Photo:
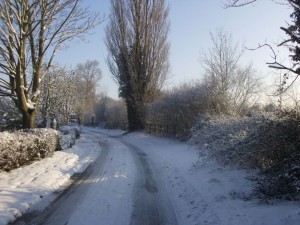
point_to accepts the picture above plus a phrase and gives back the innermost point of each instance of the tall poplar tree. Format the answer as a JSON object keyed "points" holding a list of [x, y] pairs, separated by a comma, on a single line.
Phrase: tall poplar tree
{"points": [[136, 39]]}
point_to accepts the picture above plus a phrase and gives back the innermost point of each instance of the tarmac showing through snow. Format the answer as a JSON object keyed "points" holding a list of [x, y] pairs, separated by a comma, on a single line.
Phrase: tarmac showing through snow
{"points": [[109, 178]]}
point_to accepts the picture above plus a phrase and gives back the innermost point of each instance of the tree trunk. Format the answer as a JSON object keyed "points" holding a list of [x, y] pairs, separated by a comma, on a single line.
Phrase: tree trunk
{"points": [[136, 115], [28, 119]]}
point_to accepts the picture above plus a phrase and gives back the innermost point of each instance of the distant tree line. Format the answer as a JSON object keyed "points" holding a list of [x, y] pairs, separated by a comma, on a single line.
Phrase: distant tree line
{"points": [[70, 91]]}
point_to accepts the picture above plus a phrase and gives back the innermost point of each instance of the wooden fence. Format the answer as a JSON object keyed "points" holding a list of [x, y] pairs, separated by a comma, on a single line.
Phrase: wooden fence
{"points": [[157, 129], [160, 129]]}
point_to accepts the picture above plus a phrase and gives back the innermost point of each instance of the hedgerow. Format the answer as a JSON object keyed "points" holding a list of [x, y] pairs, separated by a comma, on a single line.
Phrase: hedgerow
{"points": [[24, 146], [68, 135], [269, 144]]}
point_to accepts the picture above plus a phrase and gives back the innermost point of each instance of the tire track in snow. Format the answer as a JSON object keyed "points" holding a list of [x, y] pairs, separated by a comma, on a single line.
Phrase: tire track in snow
{"points": [[122, 187], [151, 204]]}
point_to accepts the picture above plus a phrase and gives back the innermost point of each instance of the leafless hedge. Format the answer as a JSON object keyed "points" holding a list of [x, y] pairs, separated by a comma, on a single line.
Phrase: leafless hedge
{"points": [[179, 109]]}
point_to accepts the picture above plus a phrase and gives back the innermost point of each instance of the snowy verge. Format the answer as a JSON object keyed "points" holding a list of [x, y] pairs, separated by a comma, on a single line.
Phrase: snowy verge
{"points": [[24, 187], [206, 192]]}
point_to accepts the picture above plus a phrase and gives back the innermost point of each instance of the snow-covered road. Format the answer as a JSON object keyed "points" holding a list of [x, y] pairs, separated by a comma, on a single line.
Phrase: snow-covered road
{"points": [[110, 178], [119, 187]]}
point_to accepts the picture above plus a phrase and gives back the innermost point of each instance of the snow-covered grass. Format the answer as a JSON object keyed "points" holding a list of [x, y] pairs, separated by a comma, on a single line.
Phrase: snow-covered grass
{"points": [[206, 192], [202, 191], [24, 187]]}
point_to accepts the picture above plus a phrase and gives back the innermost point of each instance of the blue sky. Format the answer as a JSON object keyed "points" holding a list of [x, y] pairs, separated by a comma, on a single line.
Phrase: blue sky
{"points": [[191, 22]]}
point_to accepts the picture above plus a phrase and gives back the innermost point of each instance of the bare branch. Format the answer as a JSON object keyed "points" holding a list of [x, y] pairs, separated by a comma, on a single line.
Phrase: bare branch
{"points": [[237, 3]]}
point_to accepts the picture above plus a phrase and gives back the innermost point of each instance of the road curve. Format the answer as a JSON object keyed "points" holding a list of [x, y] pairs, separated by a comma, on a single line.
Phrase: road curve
{"points": [[121, 187]]}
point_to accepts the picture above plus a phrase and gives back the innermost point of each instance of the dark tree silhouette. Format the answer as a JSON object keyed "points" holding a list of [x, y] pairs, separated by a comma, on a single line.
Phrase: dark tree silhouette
{"points": [[136, 39]]}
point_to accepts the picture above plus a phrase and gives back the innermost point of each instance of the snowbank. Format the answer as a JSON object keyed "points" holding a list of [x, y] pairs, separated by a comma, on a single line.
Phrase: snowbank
{"points": [[24, 187]]}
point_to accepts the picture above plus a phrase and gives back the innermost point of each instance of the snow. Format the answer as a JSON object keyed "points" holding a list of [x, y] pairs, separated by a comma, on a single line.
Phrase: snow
{"points": [[68, 137], [201, 190], [30, 104], [204, 192], [36, 93], [108, 199], [24, 187]]}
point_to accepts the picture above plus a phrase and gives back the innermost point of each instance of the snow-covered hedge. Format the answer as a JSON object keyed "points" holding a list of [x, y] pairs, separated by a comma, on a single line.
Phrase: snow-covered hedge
{"points": [[24, 146], [274, 148], [68, 136], [218, 135], [269, 144]]}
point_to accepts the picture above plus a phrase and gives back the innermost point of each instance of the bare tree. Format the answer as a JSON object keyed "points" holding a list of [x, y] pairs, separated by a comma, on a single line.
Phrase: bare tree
{"points": [[89, 74], [240, 3], [66, 91], [292, 42], [294, 95], [110, 113], [229, 84], [31, 32], [61, 95], [136, 39], [246, 89], [48, 97]]}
